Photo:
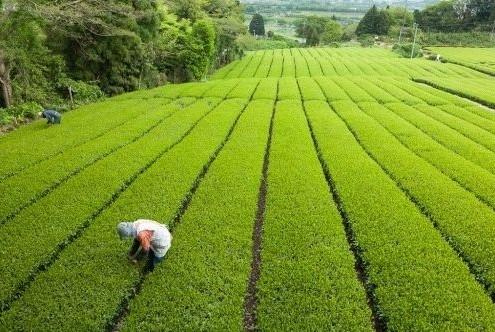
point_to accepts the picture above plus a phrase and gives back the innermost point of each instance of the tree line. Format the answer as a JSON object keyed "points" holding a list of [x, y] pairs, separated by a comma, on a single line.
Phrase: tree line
{"points": [[110, 46], [446, 16], [457, 16]]}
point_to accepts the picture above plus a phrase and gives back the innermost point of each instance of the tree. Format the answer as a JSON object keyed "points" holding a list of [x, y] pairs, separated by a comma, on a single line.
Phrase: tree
{"points": [[399, 16], [228, 30], [374, 22], [199, 56], [439, 17], [121, 45], [28, 69], [228, 17], [333, 32], [113, 49], [257, 25], [481, 11], [458, 15], [311, 28], [5, 80], [186, 9]]}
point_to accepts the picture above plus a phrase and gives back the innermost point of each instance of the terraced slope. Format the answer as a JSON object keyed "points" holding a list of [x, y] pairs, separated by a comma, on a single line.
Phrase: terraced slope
{"points": [[478, 90], [481, 59], [337, 62]]}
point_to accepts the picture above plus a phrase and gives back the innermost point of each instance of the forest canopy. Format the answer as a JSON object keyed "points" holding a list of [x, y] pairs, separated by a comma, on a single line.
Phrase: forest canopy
{"points": [[113, 45]]}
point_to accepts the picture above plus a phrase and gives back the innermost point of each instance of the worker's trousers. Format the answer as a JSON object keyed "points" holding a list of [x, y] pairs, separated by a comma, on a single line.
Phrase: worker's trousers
{"points": [[151, 261]]}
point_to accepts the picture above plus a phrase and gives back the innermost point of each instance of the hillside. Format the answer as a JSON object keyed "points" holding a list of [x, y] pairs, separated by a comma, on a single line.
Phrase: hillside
{"points": [[306, 189]]}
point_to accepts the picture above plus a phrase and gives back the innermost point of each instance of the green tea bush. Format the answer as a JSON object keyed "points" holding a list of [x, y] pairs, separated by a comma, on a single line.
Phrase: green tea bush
{"points": [[27, 187], [74, 208], [300, 266], [233, 180], [161, 187], [414, 248], [426, 117]]}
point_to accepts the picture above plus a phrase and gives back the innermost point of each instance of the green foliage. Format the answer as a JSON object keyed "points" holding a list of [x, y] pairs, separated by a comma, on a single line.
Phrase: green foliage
{"points": [[138, 154], [30, 68], [288, 89], [366, 40], [267, 89], [5, 118], [186, 9], [426, 251], [376, 22], [57, 168], [27, 110], [244, 89], [313, 237], [480, 59], [457, 16], [162, 179], [478, 90], [333, 32], [83, 93], [459, 39], [249, 43], [399, 16], [400, 172], [318, 29], [373, 61], [233, 180], [310, 90], [438, 17], [406, 51], [100, 117], [119, 45], [257, 25], [199, 57]]}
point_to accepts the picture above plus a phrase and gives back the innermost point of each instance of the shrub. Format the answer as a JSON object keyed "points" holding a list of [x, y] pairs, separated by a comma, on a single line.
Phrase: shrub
{"points": [[83, 93], [5, 118], [26, 110], [405, 50], [366, 40]]}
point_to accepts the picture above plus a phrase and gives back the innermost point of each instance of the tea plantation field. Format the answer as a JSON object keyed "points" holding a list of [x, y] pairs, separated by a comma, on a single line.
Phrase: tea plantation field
{"points": [[482, 59], [306, 190]]}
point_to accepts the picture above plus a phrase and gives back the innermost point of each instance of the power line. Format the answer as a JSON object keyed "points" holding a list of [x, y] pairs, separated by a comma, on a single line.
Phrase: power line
{"points": [[414, 42]]}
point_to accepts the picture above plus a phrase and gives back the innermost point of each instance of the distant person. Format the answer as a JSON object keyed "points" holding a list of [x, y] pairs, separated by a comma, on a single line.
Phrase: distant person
{"points": [[151, 239], [53, 117], [439, 58]]}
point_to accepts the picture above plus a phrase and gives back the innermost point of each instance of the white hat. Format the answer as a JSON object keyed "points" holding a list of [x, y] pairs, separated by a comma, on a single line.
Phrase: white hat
{"points": [[126, 229]]}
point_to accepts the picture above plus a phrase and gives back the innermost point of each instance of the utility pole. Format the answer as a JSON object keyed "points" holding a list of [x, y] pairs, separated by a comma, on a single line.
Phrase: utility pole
{"points": [[415, 27], [492, 34], [403, 21]]}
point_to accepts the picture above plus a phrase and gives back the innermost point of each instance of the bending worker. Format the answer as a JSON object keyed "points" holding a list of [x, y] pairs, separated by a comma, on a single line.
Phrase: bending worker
{"points": [[151, 239], [52, 116]]}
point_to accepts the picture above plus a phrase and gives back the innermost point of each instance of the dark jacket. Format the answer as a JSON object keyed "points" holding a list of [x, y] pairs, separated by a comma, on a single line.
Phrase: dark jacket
{"points": [[52, 116]]}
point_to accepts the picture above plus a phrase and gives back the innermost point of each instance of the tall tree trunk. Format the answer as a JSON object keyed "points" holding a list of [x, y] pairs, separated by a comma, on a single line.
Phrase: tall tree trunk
{"points": [[5, 81]]}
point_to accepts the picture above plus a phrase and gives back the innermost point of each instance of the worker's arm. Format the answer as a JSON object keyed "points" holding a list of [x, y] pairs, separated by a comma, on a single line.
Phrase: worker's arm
{"points": [[144, 238], [133, 256]]}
